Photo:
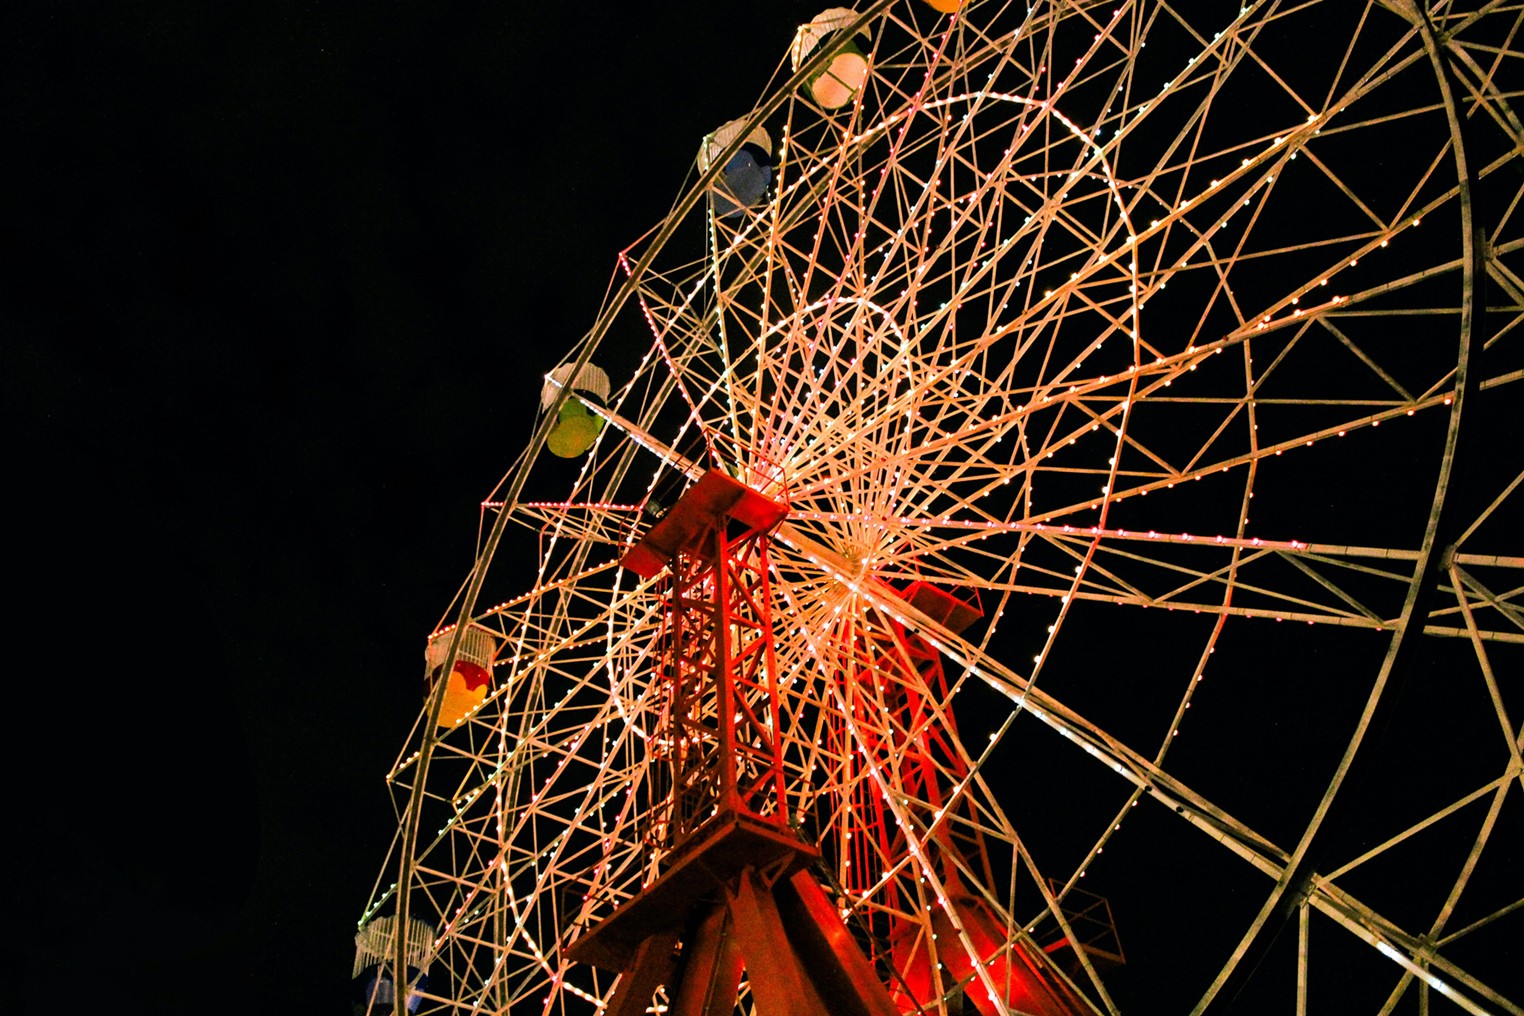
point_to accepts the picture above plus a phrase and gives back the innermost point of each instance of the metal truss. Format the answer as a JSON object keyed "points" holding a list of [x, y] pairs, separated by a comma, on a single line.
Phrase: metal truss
{"points": [[1188, 342]]}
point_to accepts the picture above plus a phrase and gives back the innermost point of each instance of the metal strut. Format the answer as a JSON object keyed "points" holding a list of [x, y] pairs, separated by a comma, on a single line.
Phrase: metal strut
{"points": [[736, 894]]}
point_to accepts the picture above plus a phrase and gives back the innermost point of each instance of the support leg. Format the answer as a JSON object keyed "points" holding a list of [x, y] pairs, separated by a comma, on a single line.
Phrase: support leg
{"points": [[650, 968], [778, 982], [711, 972]]}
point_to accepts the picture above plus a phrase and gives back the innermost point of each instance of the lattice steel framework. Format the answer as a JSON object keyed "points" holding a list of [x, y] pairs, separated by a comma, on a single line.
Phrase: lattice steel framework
{"points": [[718, 732], [1184, 335]]}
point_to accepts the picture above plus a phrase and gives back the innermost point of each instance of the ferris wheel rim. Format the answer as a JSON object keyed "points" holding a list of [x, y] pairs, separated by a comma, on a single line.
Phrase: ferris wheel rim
{"points": [[696, 194]]}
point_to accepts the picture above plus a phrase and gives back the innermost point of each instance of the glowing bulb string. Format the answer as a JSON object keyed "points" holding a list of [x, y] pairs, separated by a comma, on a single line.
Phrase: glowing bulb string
{"points": [[1079, 391], [1057, 531], [1123, 760], [568, 506], [536, 665], [1065, 530]]}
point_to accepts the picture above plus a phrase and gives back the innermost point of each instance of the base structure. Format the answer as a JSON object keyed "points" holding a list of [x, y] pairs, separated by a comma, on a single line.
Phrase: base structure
{"points": [[737, 898]]}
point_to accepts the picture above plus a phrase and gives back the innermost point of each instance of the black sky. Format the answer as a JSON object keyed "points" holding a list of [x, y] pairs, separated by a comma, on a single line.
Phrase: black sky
{"points": [[282, 277]]}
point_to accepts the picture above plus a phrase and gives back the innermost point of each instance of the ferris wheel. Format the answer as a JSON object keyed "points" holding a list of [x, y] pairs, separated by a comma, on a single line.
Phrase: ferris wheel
{"points": [[1048, 553]]}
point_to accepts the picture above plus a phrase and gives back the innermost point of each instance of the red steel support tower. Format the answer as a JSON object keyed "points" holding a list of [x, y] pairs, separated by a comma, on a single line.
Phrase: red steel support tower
{"points": [[736, 893]]}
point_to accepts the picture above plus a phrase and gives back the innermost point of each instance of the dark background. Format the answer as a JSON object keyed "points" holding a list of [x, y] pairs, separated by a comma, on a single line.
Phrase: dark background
{"points": [[281, 281]]}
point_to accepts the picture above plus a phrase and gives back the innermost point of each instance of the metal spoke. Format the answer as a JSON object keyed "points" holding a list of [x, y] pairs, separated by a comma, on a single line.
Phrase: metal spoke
{"points": [[1086, 352]]}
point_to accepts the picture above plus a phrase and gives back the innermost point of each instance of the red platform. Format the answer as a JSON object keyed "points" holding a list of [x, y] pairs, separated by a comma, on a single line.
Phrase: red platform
{"points": [[729, 843], [713, 498], [740, 898], [941, 606]]}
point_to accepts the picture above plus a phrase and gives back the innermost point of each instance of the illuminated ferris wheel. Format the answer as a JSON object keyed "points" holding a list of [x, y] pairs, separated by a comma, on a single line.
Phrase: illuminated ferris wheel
{"points": [[1065, 462]]}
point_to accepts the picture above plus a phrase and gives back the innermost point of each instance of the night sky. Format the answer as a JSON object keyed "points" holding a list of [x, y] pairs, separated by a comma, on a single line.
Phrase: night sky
{"points": [[282, 282], [282, 279]]}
